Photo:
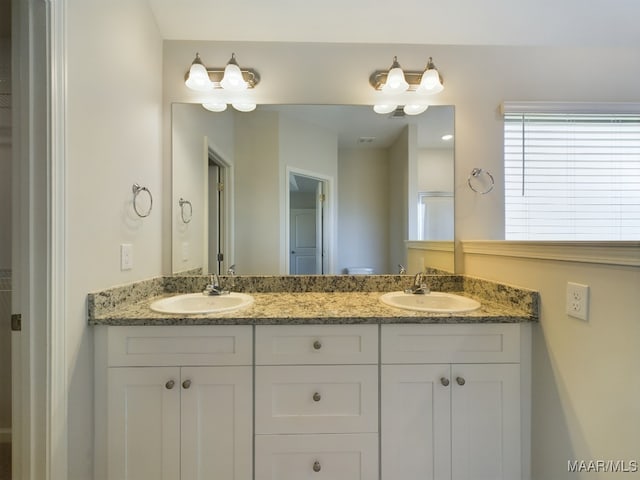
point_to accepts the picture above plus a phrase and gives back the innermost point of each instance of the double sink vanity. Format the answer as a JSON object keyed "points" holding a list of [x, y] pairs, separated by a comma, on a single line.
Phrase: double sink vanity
{"points": [[316, 377]]}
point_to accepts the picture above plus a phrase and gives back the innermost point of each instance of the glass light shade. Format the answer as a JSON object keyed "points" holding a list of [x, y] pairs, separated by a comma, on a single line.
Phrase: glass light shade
{"points": [[430, 82], [384, 108], [198, 78], [232, 79], [447, 137], [395, 81], [244, 106], [215, 106], [414, 109]]}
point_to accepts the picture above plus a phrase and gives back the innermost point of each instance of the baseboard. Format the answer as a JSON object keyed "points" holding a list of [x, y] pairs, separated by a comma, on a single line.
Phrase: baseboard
{"points": [[5, 435]]}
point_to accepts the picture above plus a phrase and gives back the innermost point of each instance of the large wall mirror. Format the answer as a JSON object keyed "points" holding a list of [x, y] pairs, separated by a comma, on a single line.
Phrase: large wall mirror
{"points": [[308, 189]]}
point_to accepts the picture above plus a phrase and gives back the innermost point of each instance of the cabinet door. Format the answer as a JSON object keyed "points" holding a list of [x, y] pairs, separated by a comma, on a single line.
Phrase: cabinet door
{"points": [[415, 422], [485, 421], [143, 424], [217, 432]]}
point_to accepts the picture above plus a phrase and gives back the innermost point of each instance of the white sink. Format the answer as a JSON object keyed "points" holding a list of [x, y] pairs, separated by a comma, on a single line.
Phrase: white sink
{"points": [[437, 302], [199, 303]]}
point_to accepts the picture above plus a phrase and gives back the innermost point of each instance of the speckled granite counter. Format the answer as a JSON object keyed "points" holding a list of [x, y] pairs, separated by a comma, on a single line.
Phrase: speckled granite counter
{"points": [[339, 299]]}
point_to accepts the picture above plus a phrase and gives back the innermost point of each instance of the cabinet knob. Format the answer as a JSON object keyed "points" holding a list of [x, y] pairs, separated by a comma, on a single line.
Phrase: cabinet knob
{"points": [[460, 380], [186, 384], [316, 466], [317, 345], [444, 381], [170, 384], [317, 397]]}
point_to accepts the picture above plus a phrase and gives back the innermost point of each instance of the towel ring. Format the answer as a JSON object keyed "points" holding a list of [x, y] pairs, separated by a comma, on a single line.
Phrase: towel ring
{"points": [[182, 202], [475, 173], [136, 191]]}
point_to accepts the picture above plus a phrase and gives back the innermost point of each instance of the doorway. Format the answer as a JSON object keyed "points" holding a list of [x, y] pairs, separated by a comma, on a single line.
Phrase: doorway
{"points": [[307, 224], [218, 230]]}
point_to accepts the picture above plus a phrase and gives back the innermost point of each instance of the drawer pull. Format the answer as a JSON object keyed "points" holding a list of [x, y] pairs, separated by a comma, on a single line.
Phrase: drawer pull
{"points": [[444, 381], [186, 384], [317, 397], [170, 384], [317, 345], [460, 380], [316, 466]]}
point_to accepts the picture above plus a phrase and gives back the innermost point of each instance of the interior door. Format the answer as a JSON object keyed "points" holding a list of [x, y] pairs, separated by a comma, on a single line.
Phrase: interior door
{"points": [[303, 242]]}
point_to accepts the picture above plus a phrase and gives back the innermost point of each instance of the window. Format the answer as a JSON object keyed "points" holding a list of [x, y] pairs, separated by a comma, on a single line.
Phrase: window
{"points": [[571, 176]]}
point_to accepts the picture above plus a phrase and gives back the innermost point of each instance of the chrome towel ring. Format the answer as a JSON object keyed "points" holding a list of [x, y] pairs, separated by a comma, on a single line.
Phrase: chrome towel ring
{"points": [[137, 189], [182, 202], [476, 177]]}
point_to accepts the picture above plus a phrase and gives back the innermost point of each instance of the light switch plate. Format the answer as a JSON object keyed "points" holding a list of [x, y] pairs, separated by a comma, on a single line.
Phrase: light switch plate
{"points": [[126, 256], [578, 301]]}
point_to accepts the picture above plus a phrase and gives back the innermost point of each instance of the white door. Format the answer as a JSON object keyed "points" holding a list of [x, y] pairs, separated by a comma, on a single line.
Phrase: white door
{"points": [[415, 422], [217, 433], [303, 238], [144, 423], [485, 421]]}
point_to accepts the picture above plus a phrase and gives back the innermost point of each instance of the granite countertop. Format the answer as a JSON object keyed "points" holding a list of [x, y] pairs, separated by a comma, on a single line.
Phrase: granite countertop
{"points": [[275, 308]]}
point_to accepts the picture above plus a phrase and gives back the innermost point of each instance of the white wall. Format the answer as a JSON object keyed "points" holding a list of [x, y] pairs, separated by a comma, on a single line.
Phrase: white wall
{"points": [[363, 226], [114, 132]]}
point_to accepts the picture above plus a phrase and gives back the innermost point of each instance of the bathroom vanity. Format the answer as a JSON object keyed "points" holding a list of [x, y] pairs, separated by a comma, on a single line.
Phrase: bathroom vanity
{"points": [[313, 384]]}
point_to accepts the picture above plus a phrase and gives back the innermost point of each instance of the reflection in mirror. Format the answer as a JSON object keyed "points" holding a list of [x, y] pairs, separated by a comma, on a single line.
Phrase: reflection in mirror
{"points": [[369, 183]]}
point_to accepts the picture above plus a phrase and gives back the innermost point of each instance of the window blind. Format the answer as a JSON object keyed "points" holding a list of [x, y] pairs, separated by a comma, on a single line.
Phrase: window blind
{"points": [[572, 176]]}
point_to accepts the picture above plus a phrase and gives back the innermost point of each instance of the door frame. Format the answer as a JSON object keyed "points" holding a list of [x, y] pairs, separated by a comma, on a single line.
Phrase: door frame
{"points": [[329, 227], [228, 236], [39, 370]]}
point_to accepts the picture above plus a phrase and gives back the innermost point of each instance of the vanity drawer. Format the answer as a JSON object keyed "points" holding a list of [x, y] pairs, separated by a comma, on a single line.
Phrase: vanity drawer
{"points": [[179, 345], [481, 343], [329, 457], [316, 399], [316, 344]]}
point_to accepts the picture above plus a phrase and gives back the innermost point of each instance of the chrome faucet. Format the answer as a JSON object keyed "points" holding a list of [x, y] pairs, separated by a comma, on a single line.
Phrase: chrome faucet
{"points": [[213, 287], [419, 286], [401, 269]]}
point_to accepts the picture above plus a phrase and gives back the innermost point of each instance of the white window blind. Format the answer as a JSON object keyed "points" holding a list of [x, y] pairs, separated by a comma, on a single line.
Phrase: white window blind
{"points": [[572, 176]]}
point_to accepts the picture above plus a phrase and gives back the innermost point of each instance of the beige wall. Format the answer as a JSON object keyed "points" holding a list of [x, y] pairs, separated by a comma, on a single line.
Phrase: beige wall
{"points": [[363, 226], [586, 385], [113, 139]]}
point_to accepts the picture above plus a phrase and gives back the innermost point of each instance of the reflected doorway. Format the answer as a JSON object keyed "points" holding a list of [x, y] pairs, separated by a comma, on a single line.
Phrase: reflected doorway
{"points": [[217, 230], [307, 225]]}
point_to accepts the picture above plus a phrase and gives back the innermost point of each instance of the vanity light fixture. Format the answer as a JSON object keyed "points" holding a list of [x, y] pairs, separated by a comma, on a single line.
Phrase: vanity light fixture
{"points": [[231, 78], [395, 82]]}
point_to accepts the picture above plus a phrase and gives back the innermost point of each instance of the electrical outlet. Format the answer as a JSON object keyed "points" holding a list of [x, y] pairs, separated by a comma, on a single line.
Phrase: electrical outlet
{"points": [[185, 251], [126, 256], [578, 300]]}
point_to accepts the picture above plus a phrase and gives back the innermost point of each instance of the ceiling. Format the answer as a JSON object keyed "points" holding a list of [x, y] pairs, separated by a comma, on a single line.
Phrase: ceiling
{"points": [[592, 23]]}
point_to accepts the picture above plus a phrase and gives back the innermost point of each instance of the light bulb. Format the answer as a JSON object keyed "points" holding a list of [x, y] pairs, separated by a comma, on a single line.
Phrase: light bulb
{"points": [[430, 82], [414, 109], [395, 79], [384, 108], [232, 79], [244, 106], [198, 78], [215, 106]]}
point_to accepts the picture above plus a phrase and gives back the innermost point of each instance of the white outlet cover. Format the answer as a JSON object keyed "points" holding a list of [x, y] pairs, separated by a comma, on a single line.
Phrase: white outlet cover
{"points": [[577, 301], [126, 256]]}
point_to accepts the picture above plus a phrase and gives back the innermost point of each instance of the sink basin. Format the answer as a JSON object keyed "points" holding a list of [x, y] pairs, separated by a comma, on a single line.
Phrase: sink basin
{"points": [[437, 302], [199, 303]]}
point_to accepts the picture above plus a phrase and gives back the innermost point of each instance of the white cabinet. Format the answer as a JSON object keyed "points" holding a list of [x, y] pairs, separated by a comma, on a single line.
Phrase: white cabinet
{"points": [[179, 422], [316, 413], [459, 421]]}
